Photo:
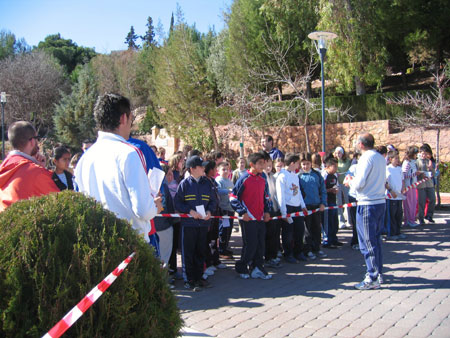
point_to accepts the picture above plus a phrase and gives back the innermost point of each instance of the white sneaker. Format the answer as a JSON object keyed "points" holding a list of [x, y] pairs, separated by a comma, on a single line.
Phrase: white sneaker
{"points": [[209, 271], [380, 278], [221, 266], [321, 254], [213, 268], [256, 273], [368, 284], [310, 255], [413, 224], [205, 276], [342, 226]]}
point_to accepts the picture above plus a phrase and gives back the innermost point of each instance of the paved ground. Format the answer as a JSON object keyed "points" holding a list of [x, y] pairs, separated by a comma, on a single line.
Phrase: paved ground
{"points": [[317, 298]]}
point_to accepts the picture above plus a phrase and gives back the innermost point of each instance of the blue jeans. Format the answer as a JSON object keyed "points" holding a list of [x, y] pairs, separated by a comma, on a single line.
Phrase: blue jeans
{"points": [[331, 225]]}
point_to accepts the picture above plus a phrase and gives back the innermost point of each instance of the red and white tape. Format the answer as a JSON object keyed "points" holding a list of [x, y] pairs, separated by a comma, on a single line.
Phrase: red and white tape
{"points": [[73, 315], [412, 186]]}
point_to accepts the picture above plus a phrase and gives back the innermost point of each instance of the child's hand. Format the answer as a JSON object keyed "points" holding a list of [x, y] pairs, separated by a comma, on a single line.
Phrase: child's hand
{"points": [[158, 203], [305, 210], [208, 215], [266, 217], [246, 217], [321, 207], [195, 214], [394, 194]]}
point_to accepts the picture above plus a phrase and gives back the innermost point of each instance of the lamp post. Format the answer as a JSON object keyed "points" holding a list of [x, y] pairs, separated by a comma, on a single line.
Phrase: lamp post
{"points": [[320, 40], [3, 102]]}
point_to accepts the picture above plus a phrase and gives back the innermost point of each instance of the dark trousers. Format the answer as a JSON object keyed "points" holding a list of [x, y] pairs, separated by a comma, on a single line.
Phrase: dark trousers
{"points": [[212, 251], [292, 234], [313, 229], [176, 240], [253, 246], [369, 220], [272, 241], [331, 224], [396, 216], [225, 232], [352, 217], [193, 252]]}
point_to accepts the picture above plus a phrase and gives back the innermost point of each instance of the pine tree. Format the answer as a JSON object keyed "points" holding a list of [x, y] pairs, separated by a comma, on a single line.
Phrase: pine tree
{"points": [[149, 37], [172, 23], [131, 38]]}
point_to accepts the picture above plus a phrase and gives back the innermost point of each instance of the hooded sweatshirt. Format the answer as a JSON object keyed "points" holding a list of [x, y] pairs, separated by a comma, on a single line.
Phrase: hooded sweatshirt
{"points": [[21, 178]]}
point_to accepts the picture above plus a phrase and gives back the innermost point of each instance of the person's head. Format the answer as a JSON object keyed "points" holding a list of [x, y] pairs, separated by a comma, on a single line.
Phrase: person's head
{"points": [[154, 149], [242, 163], [316, 160], [74, 161], [266, 156], [339, 153], [267, 143], [216, 156], [196, 166], [292, 161], [305, 161], [365, 142], [168, 171], [186, 149], [176, 162], [256, 162], [23, 137], [279, 164], [426, 152], [394, 158], [411, 152], [61, 159], [382, 150], [86, 144], [194, 152], [331, 165], [210, 169], [162, 153], [112, 113], [268, 167], [390, 147], [224, 169]]}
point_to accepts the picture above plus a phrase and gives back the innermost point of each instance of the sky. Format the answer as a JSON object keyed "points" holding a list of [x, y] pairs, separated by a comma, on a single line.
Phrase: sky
{"points": [[103, 24]]}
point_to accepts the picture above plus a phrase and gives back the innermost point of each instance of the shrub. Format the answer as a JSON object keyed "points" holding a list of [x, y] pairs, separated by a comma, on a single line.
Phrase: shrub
{"points": [[55, 249], [444, 178]]}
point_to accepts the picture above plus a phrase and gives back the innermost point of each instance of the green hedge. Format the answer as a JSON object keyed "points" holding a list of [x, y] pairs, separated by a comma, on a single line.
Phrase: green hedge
{"points": [[444, 181], [55, 249]]}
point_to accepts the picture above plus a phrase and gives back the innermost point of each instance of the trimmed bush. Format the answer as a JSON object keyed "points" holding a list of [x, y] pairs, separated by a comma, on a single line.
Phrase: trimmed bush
{"points": [[55, 249], [444, 179]]}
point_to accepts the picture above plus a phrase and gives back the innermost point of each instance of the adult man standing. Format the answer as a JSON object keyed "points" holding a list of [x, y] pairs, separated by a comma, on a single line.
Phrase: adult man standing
{"points": [[22, 173], [113, 171], [369, 184], [267, 145]]}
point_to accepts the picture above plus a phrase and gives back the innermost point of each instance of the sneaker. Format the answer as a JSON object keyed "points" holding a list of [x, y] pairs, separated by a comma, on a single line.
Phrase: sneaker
{"points": [[321, 254], [205, 276], [368, 284], [310, 255], [279, 254], [278, 259], [290, 260], [203, 283], [421, 222], [221, 266], [413, 224], [191, 286], [209, 271], [301, 257], [355, 246], [401, 236], [430, 219], [329, 245], [256, 273], [337, 243], [342, 226], [244, 275], [273, 263], [393, 238], [380, 278], [235, 229]]}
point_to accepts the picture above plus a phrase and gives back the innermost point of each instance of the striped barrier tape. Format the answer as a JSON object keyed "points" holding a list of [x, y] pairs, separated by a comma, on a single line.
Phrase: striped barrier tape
{"points": [[73, 315], [412, 186]]}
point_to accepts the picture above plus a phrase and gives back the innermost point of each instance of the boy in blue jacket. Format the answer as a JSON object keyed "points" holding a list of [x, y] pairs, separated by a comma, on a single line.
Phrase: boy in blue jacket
{"points": [[313, 185], [194, 197], [250, 199]]}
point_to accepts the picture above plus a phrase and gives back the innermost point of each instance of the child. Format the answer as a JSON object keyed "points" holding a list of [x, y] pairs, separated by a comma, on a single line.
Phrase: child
{"points": [[225, 225], [279, 164], [426, 189], [290, 199], [394, 187], [237, 173], [312, 183], [409, 170], [331, 216], [61, 176], [250, 199], [195, 197]]}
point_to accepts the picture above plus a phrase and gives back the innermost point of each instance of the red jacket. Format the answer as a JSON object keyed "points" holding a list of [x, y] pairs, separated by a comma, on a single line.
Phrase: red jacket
{"points": [[21, 178]]}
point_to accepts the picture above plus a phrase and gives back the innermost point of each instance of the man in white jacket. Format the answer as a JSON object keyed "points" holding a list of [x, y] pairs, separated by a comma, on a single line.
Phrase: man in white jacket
{"points": [[369, 184], [113, 171]]}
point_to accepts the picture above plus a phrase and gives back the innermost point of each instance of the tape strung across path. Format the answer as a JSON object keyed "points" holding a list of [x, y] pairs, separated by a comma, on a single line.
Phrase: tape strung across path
{"points": [[73, 315], [412, 186]]}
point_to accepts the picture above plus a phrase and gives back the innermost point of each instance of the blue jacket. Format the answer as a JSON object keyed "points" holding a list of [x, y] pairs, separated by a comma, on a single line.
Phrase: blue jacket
{"points": [[313, 185], [190, 194], [151, 160], [163, 223]]}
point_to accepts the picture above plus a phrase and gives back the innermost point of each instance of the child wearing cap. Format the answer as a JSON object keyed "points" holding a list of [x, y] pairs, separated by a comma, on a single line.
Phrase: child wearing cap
{"points": [[194, 197], [250, 199]]}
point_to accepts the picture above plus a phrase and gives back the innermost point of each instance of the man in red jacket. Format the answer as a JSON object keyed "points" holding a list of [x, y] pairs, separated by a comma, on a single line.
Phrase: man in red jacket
{"points": [[22, 173]]}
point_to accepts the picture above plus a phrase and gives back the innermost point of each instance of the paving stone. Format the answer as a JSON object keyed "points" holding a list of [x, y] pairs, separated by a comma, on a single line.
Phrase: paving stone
{"points": [[441, 331]]}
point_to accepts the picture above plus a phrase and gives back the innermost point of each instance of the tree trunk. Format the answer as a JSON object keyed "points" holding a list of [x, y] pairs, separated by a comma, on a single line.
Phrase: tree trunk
{"points": [[308, 89], [308, 147], [360, 86], [280, 92], [214, 136]]}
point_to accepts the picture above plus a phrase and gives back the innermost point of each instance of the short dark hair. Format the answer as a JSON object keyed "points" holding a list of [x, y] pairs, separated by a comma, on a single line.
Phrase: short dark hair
{"points": [[108, 110], [215, 155], [305, 156], [316, 159], [269, 138], [255, 157], [391, 154], [20, 133], [194, 152], [367, 140], [291, 158], [411, 151], [223, 164], [266, 155], [58, 152], [209, 166], [426, 148], [382, 150], [330, 161]]}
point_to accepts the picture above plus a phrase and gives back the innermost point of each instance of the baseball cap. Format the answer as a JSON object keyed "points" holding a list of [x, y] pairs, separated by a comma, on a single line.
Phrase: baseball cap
{"points": [[195, 161]]}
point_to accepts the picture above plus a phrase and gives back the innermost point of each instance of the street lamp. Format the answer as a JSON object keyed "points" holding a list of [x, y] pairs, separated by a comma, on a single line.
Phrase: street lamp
{"points": [[3, 102], [320, 41]]}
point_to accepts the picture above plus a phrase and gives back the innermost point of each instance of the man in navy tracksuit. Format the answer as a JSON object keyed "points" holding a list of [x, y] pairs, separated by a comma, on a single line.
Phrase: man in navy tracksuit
{"points": [[250, 199], [194, 195]]}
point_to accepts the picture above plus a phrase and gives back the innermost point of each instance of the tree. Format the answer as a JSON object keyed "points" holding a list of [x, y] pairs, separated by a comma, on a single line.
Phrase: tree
{"points": [[74, 114], [35, 82], [358, 56], [184, 91], [149, 37], [131, 39], [9, 45], [67, 52], [172, 23]]}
